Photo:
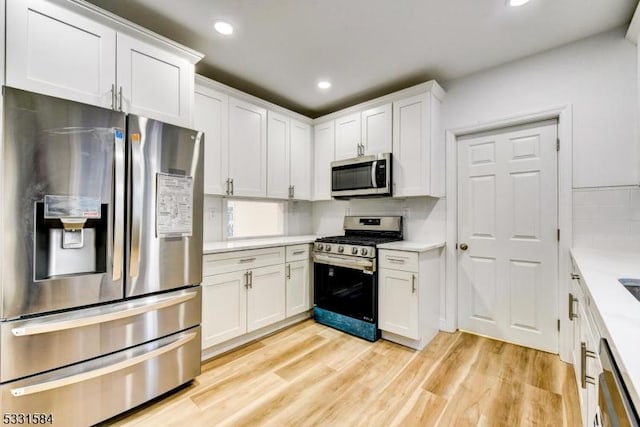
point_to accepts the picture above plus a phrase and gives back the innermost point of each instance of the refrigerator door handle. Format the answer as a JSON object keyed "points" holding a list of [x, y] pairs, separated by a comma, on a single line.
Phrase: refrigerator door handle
{"points": [[56, 326], [85, 376], [118, 221], [137, 177]]}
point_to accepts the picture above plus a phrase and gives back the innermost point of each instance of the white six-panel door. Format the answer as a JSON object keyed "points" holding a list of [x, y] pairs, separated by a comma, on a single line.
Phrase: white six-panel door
{"points": [[507, 220]]}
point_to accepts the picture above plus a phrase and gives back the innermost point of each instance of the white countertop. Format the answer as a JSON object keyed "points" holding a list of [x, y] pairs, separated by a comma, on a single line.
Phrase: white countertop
{"points": [[411, 246], [618, 310], [240, 245]]}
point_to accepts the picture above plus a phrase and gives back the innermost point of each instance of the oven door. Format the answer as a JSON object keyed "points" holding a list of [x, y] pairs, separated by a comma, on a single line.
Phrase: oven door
{"points": [[346, 286]]}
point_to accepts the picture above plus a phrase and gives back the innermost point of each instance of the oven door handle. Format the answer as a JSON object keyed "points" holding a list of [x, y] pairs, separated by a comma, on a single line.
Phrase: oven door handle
{"points": [[366, 265]]}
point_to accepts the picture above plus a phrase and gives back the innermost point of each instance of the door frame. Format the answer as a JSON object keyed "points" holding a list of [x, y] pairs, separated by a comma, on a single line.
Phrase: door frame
{"points": [[564, 115]]}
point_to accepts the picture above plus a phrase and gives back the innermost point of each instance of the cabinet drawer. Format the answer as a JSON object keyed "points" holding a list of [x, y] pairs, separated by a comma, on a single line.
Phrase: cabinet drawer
{"points": [[227, 262], [297, 253], [398, 260]]}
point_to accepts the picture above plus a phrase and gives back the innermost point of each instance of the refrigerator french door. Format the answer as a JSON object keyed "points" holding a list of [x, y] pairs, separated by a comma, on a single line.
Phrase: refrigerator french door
{"points": [[101, 259]]}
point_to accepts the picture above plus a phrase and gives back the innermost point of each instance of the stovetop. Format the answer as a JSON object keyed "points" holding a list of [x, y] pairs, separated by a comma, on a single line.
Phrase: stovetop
{"points": [[358, 240]]}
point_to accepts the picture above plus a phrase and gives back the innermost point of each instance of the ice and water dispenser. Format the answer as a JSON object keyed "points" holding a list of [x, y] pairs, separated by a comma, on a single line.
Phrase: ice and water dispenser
{"points": [[70, 236]]}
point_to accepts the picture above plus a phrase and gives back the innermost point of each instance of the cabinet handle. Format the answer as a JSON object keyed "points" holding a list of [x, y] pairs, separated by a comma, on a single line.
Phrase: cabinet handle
{"points": [[572, 313], [575, 276], [251, 279], [245, 260], [584, 353], [120, 99], [293, 191], [227, 186], [300, 252], [413, 283], [246, 280], [288, 271], [396, 260], [231, 183], [113, 96]]}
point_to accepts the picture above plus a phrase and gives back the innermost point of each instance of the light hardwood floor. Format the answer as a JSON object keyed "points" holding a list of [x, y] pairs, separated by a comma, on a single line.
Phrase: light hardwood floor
{"points": [[313, 375]]}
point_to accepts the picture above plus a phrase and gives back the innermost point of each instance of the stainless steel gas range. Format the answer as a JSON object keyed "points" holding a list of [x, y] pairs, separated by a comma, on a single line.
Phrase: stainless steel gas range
{"points": [[345, 274]]}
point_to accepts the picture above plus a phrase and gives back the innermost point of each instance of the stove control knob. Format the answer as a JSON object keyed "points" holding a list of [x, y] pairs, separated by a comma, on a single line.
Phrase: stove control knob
{"points": [[363, 251], [341, 249], [354, 251], [319, 246], [327, 248]]}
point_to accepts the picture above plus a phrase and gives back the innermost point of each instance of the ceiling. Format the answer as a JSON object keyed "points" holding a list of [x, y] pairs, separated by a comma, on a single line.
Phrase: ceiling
{"points": [[366, 48]]}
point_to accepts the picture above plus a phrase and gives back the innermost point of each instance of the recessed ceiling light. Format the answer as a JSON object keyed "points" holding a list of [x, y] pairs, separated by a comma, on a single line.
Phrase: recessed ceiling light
{"points": [[223, 28], [517, 2], [324, 84]]}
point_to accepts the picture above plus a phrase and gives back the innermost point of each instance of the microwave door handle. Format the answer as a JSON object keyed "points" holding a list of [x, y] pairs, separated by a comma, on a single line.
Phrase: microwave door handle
{"points": [[374, 168], [118, 220]]}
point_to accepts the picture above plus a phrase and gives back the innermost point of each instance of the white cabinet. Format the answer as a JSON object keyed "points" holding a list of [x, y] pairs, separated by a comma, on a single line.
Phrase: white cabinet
{"points": [[323, 155], [585, 342], [297, 270], [247, 149], [265, 296], [418, 145], [300, 164], [211, 112], [153, 82], [348, 141], [67, 51], [409, 295], [376, 130], [278, 143], [54, 50], [224, 307]]}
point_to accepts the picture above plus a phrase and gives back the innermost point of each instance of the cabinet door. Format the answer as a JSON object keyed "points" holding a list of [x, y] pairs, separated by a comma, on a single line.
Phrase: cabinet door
{"points": [[348, 136], [411, 147], [323, 155], [298, 299], [266, 297], [153, 82], [277, 156], [211, 116], [52, 50], [300, 160], [376, 130], [398, 302], [247, 149], [224, 307]]}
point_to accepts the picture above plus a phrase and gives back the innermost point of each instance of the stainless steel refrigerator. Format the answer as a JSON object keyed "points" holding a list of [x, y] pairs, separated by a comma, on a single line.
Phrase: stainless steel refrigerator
{"points": [[101, 259]]}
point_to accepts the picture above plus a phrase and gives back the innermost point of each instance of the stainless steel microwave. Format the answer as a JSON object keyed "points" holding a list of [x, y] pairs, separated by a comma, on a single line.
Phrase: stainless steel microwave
{"points": [[365, 176]]}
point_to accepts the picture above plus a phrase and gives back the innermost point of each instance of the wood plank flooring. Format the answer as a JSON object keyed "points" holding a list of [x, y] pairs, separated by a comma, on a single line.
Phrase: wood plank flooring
{"points": [[313, 375]]}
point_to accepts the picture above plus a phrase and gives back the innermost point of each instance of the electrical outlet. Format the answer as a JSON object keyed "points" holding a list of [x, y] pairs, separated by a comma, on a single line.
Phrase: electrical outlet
{"points": [[212, 213]]}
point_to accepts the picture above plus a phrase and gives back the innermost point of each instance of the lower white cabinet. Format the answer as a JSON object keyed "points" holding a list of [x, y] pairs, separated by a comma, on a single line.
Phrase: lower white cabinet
{"points": [[265, 296], [409, 295], [245, 291], [585, 351], [297, 270]]}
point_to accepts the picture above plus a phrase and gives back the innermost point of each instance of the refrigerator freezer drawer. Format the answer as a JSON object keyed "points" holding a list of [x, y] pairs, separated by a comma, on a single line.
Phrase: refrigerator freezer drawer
{"points": [[48, 342], [118, 382]]}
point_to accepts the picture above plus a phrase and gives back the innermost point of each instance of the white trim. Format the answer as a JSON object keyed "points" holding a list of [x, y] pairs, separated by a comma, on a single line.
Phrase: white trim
{"points": [[564, 114]]}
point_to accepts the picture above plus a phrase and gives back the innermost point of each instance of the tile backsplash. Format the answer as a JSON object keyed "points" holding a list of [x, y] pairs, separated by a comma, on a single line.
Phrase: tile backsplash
{"points": [[607, 218]]}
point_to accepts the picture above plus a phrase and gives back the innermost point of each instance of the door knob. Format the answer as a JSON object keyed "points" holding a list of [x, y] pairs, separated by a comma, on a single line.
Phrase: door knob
{"points": [[464, 246]]}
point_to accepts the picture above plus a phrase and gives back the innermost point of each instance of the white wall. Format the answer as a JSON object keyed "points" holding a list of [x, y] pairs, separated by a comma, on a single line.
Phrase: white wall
{"points": [[596, 75]]}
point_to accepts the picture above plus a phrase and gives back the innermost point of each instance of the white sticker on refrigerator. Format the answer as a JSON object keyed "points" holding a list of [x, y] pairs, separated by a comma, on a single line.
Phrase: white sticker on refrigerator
{"points": [[174, 205]]}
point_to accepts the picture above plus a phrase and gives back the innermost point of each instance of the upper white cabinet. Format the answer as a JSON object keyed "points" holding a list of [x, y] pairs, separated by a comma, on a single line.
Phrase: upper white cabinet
{"points": [[153, 82], [247, 149], [278, 140], [323, 155], [418, 146], [376, 129], [300, 164], [348, 138], [74, 52], [211, 115]]}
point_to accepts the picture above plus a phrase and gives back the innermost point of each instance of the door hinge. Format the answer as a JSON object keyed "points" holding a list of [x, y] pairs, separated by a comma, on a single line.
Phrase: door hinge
{"points": [[558, 234], [558, 325], [557, 144]]}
